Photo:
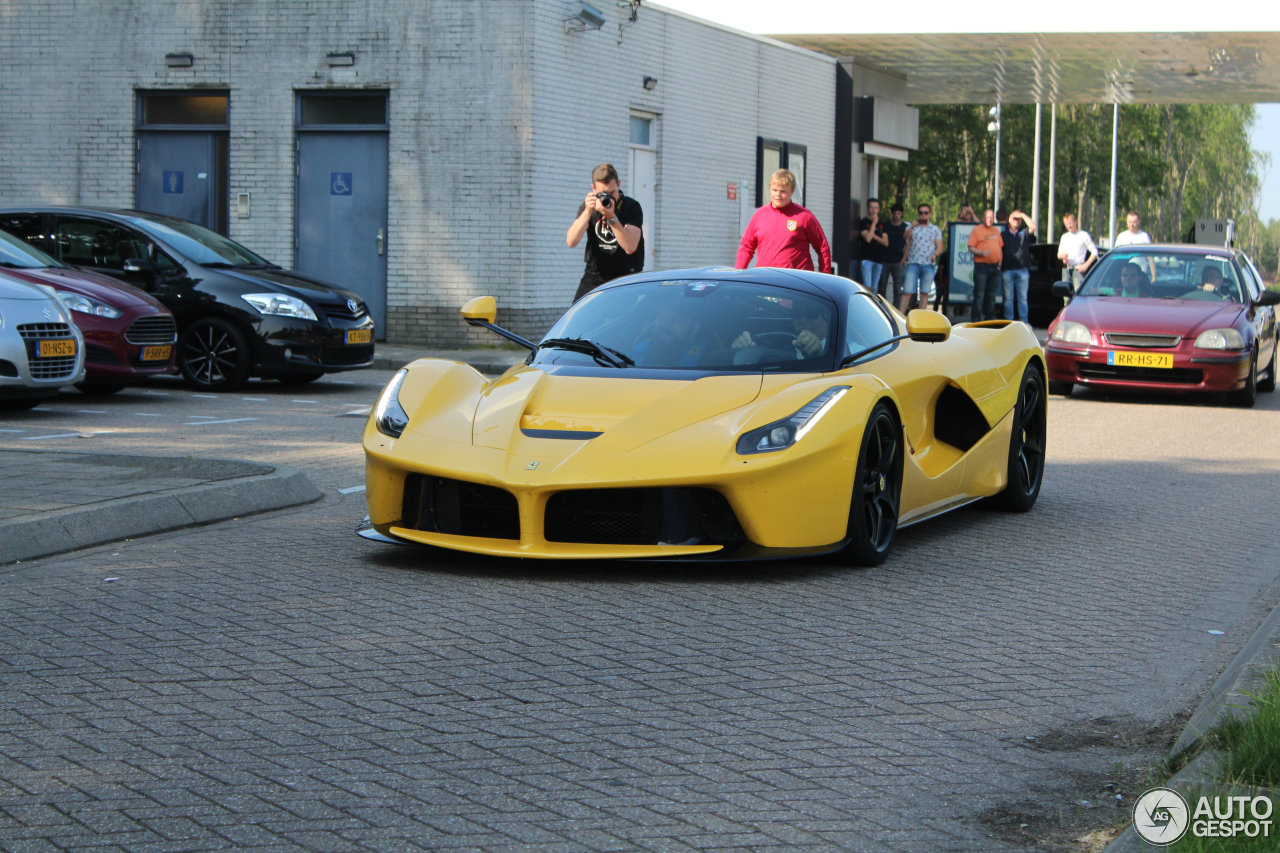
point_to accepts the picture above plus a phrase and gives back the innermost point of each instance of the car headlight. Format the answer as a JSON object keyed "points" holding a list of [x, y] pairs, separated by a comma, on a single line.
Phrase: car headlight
{"points": [[280, 305], [1220, 339], [87, 305], [780, 435], [389, 417], [1072, 333]]}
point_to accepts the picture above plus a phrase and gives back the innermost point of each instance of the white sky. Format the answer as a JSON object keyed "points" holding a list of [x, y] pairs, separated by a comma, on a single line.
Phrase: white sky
{"points": [[827, 16]]}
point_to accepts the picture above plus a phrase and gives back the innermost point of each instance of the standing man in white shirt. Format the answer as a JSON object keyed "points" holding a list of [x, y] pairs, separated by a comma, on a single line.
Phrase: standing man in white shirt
{"points": [[1133, 234], [1076, 250]]}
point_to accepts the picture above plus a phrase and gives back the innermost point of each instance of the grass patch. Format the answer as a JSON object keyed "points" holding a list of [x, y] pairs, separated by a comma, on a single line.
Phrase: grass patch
{"points": [[1250, 745], [1248, 751]]}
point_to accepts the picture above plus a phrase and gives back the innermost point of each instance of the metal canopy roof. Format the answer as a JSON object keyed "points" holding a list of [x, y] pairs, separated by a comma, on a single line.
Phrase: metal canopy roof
{"points": [[1150, 68]]}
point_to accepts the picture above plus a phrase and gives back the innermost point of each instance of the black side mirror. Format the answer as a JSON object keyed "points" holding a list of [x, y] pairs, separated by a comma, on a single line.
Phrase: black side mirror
{"points": [[1268, 297], [136, 269], [1064, 288]]}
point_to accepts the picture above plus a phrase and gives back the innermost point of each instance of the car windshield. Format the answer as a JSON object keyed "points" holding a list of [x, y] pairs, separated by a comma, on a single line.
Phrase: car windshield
{"points": [[697, 325], [15, 253], [1195, 275], [200, 245]]}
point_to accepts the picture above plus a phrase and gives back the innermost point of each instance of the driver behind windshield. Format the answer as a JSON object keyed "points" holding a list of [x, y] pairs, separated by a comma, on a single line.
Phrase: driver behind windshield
{"points": [[676, 338], [1133, 281]]}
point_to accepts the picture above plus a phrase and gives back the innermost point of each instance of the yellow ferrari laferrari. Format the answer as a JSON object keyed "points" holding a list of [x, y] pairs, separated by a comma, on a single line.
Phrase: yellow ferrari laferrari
{"points": [[710, 414]]}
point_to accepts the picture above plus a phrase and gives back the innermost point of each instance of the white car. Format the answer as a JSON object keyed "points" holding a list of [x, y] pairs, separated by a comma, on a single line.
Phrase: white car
{"points": [[41, 350]]}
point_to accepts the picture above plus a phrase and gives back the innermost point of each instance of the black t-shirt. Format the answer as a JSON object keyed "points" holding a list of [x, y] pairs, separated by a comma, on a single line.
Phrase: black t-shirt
{"points": [[871, 250], [605, 258], [897, 241], [1016, 254]]}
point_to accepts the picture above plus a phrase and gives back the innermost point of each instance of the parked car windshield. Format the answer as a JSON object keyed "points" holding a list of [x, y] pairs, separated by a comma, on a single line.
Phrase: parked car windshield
{"points": [[200, 245], [697, 325], [1191, 274], [15, 253]]}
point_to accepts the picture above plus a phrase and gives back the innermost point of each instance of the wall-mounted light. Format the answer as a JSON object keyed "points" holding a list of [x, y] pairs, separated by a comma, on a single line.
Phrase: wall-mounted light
{"points": [[587, 17], [650, 83], [179, 60], [339, 60]]}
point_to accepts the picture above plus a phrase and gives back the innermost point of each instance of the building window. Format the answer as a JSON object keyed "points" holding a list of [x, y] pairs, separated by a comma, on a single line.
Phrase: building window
{"points": [[772, 155], [641, 130]]}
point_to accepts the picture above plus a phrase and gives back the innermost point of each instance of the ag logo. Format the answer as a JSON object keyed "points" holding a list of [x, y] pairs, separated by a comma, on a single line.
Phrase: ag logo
{"points": [[792, 224], [1161, 816]]}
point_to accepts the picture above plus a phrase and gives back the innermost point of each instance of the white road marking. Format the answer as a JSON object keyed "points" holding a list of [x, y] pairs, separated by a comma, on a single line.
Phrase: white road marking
{"points": [[91, 411], [254, 399], [145, 415], [305, 402], [209, 423], [56, 435], [205, 396], [351, 490]]}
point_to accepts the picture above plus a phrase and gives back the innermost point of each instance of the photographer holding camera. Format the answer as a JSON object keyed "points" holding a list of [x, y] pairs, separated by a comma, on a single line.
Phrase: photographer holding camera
{"points": [[611, 223]]}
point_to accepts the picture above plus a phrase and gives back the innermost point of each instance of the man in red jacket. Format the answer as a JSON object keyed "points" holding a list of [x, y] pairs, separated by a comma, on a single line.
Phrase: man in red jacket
{"points": [[780, 233]]}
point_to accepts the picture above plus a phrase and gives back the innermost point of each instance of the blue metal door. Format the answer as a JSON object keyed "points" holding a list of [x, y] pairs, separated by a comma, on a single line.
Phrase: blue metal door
{"points": [[342, 214], [177, 175]]}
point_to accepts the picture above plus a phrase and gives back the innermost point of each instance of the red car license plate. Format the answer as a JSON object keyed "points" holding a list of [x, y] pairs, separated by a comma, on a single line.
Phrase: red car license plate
{"points": [[156, 353]]}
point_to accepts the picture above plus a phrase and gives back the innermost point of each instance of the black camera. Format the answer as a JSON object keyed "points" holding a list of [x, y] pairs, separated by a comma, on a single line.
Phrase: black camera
{"points": [[606, 198]]}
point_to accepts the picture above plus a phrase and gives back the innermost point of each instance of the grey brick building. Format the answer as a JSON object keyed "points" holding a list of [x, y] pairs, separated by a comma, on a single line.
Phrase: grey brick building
{"points": [[419, 152]]}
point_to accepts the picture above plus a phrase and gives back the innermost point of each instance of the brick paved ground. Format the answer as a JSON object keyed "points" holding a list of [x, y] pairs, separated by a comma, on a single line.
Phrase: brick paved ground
{"points": [[274, 683]]}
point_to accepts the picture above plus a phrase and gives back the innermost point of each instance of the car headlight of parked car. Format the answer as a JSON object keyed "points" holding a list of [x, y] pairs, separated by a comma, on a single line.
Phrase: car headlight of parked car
{"points": [[88, 305], [1072, 333], [389, 416], [1220, 339], [780, 435], [280, 305]]}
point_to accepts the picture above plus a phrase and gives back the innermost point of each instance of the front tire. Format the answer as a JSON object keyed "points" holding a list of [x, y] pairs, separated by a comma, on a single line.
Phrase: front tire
{"points": [[1027, 444], [877, 489], [213, 355], [1269, 384], [1248, 395]]}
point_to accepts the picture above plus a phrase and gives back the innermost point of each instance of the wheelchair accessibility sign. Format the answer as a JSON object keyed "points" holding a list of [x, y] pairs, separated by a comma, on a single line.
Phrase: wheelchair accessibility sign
{"points": [[339, 183]]}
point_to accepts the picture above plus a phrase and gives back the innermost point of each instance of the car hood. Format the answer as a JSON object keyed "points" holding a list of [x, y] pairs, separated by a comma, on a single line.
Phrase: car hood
{"points": [[529, 404], [20, 289], [117, 294], [1183, 317], [292, 283]]}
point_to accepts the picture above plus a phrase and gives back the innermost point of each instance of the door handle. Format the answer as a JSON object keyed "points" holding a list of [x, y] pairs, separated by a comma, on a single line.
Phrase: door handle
{"points": [[381, 239]]}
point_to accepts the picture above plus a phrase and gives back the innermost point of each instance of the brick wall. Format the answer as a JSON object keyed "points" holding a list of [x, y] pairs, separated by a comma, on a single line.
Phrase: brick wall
{"points": [[497, 116]]}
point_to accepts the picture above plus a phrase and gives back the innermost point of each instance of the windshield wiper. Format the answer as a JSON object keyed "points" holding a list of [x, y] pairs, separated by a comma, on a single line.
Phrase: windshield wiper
{"points": [[601, 353]]}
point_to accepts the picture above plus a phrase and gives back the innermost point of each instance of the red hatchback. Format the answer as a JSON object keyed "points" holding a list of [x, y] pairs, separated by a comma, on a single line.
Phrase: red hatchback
{"points": [[1169, 318], [128, 334]]}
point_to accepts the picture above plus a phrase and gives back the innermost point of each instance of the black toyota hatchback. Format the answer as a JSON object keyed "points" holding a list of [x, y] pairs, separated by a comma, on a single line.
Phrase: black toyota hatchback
{"points": [[238, 314]]}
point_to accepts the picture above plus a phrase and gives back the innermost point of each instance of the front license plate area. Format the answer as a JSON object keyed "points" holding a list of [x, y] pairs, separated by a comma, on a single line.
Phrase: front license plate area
{"points": [[56, 348], [159, 353], [1140, 359], [359, 336]]}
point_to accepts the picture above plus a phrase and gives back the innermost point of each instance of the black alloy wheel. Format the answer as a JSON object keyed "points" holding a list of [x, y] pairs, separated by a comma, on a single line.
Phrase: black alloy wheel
{"points": [[1027, 443], [213, 355], [877, 489], [1248, 395]]}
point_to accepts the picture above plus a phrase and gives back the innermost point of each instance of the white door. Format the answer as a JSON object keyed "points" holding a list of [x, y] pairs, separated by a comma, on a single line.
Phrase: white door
{"points": [[642, 179], [644, 165]]}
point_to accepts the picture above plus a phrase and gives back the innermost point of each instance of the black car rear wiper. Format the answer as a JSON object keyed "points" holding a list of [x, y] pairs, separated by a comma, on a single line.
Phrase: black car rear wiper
{"points": [[601, 353]]}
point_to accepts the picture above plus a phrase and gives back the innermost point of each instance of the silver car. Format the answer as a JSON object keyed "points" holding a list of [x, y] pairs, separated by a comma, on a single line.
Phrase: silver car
{"points": [[41, 350]]}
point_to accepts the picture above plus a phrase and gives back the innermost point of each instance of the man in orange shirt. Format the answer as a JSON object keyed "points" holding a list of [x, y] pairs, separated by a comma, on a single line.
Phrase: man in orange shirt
{"points": [[986, 244]]}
